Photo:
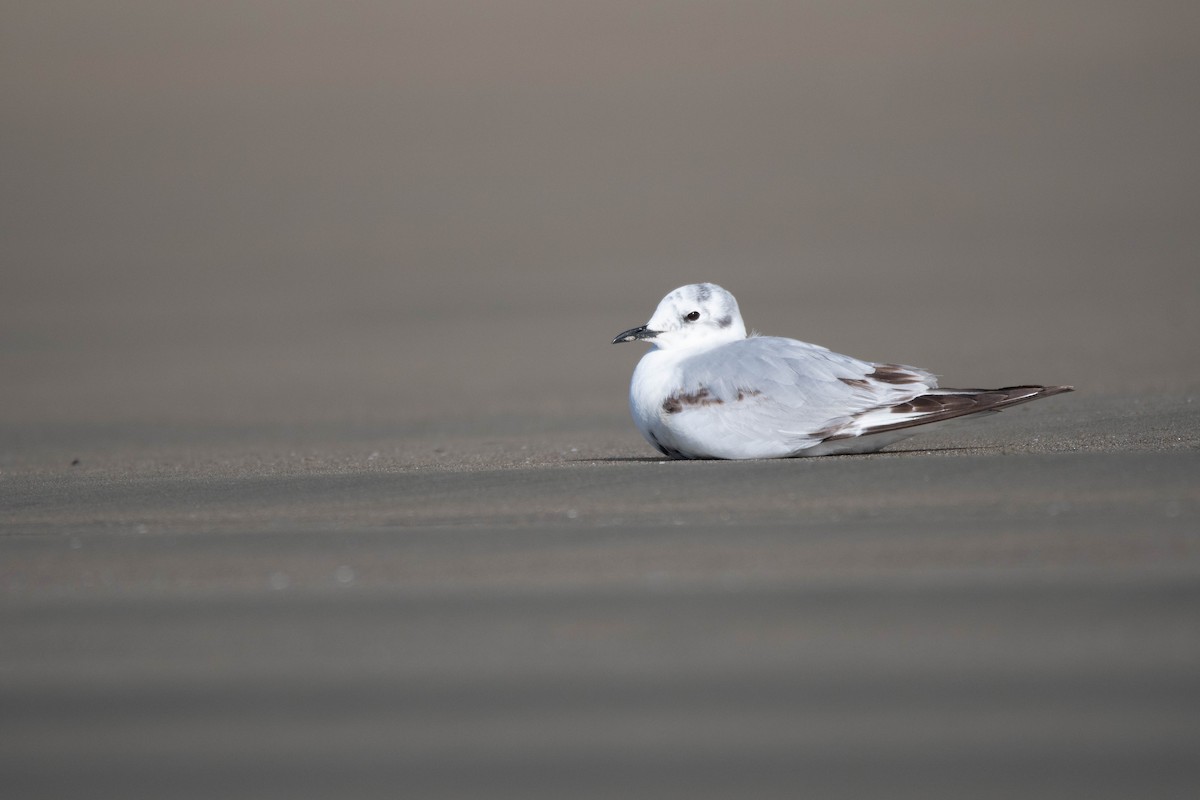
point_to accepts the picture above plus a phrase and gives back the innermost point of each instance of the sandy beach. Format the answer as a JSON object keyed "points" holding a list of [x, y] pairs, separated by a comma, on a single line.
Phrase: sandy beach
{"points": [[316, 473]]}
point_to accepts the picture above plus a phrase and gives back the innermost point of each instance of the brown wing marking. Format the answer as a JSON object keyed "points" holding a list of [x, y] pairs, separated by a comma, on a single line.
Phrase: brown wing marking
{"points": [[951, 403]]}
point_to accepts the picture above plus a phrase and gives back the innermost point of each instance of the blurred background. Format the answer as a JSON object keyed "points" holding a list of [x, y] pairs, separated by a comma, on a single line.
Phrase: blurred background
{"points": [[316, 470], [433, 213]]}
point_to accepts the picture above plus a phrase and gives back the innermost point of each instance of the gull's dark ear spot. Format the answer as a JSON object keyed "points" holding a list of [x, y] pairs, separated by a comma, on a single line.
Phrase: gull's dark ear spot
{"points": [[692, 317], [725, 322]]}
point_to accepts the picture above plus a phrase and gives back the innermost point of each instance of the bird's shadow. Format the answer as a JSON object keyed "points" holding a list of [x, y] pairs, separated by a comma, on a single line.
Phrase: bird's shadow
{"points": [[905, 452], [630, 459]]}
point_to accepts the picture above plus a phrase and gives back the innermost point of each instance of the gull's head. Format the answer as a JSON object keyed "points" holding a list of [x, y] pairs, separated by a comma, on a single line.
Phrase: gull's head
{"points": [[694, 315]]}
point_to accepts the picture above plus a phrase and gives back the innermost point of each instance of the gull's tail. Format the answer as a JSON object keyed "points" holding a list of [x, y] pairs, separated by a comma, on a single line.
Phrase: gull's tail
{"points": [[876, 428], [942, 404]]}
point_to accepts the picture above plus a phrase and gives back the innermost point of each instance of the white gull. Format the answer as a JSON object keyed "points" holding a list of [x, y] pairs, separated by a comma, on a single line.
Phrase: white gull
{"points": [[706, 390]]}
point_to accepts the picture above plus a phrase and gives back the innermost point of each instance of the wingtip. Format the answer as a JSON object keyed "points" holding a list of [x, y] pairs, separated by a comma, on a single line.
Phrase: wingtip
{"points": [[1034, 390]]}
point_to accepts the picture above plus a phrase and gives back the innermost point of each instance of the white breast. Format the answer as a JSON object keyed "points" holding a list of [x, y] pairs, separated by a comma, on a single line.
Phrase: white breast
{"points": [[655, 378]]}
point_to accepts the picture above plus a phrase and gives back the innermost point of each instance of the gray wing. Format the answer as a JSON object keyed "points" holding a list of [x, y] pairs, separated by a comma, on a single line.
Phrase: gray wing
{"points": [[782, 390]]}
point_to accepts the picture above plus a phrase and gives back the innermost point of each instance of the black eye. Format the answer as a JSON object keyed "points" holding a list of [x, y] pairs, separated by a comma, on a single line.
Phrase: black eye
{"points": [[692, 317]]}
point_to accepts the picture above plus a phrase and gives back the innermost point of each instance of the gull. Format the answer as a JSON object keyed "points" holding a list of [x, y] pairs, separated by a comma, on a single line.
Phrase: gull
{"points": [[707, 390]]}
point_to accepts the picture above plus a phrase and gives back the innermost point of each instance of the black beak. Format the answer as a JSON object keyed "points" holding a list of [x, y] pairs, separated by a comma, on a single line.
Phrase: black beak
{"points": [[640, 332]]}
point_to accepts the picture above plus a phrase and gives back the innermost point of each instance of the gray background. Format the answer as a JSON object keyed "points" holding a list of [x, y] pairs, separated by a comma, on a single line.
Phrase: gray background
{"points": [[319, 298]]}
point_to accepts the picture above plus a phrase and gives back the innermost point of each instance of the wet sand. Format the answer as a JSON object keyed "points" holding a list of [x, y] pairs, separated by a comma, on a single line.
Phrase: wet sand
{"points": [[570, 616], [316, 476]]}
